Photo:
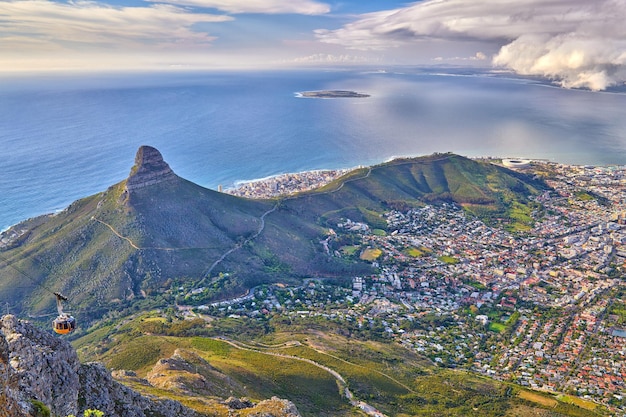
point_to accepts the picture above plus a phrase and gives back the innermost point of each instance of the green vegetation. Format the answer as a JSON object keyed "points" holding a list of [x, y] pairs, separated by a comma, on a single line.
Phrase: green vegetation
{"points": [[175, 231], [290, 360], [479, 286], [91, 413], [256, 375], [579, 402], [414, 252], [349, 250], [179, 328], [371, 254], [418, 252], [618, 308], [450, 260], [216, 347], [40, 409], [520, 215], [266, 375], [496, 327], [538, 398], [141, 352], [584, 196]]}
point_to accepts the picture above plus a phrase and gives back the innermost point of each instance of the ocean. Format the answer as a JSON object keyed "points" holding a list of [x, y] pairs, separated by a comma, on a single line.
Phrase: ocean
{"points": [[64, 137]]}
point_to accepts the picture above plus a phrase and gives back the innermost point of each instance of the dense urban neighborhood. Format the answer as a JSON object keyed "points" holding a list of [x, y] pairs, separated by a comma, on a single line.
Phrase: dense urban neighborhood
{"points": [[543, 306]]}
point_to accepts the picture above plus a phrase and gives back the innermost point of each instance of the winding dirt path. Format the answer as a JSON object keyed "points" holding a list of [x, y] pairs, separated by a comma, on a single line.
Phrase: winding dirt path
{"points": [[238, 246], [295, 343], [135, 246], [207, 274], [341, 382], [116, 233]]}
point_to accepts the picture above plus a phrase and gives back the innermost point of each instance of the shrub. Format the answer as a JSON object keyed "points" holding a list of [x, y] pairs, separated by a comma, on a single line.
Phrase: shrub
{"points": [[40, 409]]}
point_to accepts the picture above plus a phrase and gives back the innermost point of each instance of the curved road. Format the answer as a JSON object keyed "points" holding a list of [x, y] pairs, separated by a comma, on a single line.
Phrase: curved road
{"points": [[341, 382]]}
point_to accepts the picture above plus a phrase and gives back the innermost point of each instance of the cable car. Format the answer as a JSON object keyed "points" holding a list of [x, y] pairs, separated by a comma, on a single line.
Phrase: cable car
{"points": [[64, 323]]}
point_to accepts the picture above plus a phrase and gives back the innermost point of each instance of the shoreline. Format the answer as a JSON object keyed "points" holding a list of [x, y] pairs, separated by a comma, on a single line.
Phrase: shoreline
{"points": [[285, 183], [290, 183], [239, 183], [274, 176]]}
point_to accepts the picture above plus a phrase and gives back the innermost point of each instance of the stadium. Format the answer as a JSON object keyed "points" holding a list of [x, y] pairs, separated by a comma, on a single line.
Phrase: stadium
{"points": [[516, 163]]}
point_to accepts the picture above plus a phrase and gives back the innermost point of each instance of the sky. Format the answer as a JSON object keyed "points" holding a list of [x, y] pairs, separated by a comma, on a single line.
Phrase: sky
{"points": [[577, 43]]}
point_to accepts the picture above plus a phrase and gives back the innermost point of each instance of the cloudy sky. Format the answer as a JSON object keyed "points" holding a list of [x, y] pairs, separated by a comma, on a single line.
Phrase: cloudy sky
{"points": [[580, 43]]}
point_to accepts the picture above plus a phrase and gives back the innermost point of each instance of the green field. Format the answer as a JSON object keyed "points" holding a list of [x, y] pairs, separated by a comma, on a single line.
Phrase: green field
{"points": [[496, 327], [371, 254], [450, 260], [415, 252], [349, 250]]}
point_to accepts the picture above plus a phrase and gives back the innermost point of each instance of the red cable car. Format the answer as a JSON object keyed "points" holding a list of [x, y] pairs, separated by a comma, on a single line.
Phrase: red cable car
{"points": [[64, 323]]}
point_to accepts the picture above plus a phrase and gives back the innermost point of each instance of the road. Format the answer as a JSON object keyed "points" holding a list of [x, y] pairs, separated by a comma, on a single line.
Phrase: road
{"points": [[341, 382]]}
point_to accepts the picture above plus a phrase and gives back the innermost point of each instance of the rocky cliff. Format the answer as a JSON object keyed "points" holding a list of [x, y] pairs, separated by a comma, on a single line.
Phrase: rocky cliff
{"points": [[149, 169], [38, 369]]}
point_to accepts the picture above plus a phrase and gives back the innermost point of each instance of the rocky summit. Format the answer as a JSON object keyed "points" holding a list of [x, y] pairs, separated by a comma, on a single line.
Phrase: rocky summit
{"points": [[149, 169], [40, 371]]}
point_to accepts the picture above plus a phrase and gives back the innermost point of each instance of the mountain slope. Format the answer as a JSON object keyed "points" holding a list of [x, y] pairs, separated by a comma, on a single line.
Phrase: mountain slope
{"points": [[484, 188], [41, 372], [134, 236], [155, 231], [303, 360]]}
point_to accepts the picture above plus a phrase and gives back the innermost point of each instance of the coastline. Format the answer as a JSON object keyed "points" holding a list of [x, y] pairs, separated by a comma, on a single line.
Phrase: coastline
{"points": [[238, 185], [54, 155], [293, 182], [285, 183]]}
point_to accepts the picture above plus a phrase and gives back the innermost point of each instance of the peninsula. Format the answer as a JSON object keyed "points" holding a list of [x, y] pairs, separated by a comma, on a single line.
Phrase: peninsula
{"points": [[332, 94]]}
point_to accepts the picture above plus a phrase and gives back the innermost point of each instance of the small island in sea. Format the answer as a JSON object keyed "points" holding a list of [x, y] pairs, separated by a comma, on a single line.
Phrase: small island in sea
{"points": [[332, 94]]}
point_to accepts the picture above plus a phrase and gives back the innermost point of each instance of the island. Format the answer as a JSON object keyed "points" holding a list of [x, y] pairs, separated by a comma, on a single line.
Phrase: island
{"points": [[332, 94]]}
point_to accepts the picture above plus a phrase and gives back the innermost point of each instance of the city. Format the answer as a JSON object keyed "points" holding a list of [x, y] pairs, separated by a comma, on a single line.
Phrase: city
{"points": [[544, 307]]}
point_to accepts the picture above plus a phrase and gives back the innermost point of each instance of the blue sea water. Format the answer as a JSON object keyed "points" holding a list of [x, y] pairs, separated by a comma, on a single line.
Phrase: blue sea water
{"points": [[64, 137]]}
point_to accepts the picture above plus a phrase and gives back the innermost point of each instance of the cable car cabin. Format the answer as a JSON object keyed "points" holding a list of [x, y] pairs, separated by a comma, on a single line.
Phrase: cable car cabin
{"points": [[64, 324]]}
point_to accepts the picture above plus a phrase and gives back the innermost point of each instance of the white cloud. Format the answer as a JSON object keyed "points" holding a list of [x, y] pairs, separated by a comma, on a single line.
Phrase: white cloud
{"points": [[478, 56], [47, 25], [85, 34], [332, 59], [581, 43], [306, 7], [575, 60]]}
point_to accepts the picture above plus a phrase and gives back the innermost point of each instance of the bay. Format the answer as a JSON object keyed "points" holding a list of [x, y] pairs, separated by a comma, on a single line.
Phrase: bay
{"points": [[67, 136]]}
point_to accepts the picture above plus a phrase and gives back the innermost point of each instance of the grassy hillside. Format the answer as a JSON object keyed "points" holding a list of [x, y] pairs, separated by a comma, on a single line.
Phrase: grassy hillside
{"points": [[483, 189], [109, 250], [112, 247], [296, 365]]}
